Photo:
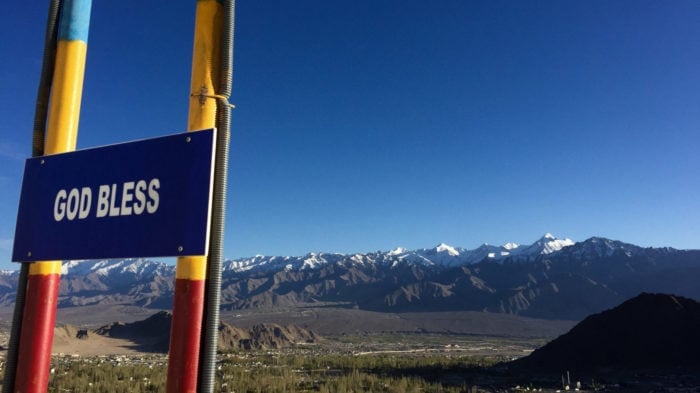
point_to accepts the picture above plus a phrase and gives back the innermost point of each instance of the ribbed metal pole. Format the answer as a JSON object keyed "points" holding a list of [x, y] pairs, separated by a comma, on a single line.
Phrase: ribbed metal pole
{"points": [[216, 242], [12, 350], [41, 108], [38, 136]]}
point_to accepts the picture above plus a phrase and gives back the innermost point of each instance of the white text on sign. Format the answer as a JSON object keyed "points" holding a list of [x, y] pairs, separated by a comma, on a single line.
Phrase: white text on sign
{"points": [[137, 197]]}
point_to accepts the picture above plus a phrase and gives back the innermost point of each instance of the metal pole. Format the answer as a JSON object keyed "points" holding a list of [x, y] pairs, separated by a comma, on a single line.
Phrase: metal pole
{"points": [[38, 137], [43, 279], [190, 273], [216, 244]]}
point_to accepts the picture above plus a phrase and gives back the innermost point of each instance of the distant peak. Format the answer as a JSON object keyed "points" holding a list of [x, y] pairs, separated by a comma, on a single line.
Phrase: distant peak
{"points": [[549, 243], [442, 247], [397, 251], [511, 246]]}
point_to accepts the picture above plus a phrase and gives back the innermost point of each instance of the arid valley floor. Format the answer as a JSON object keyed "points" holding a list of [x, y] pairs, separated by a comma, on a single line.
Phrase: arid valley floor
{"points": [[355, 351]]}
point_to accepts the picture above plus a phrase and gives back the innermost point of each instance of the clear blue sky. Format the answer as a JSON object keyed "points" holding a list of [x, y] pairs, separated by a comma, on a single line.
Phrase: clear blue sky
{"points": [[366, 125]]}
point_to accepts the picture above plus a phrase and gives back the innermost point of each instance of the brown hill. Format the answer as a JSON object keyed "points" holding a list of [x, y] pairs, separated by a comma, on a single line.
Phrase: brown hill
{"points": [[648, 331], [153, 334], [263, 336]]}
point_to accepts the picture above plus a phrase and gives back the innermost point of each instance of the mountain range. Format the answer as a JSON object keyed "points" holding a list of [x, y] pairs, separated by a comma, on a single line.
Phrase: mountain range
{"points": [[551, 278]]}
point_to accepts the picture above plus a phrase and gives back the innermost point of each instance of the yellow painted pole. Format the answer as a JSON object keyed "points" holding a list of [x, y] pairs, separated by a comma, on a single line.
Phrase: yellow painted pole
{"points": [[43, 280], [188, 307], [206, 55]]}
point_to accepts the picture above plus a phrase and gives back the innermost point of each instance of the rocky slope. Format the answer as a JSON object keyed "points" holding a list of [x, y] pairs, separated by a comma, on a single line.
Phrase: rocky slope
{"points": [[650, 331]]}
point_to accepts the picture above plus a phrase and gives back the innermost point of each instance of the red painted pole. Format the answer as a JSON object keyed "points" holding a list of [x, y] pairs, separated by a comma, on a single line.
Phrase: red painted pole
{"points": [[38, 327], [185, 335]]}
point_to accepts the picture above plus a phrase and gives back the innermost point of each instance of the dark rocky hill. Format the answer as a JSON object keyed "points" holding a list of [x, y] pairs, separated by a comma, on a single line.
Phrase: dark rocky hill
{"points": [[151, 334], [650, 331]]}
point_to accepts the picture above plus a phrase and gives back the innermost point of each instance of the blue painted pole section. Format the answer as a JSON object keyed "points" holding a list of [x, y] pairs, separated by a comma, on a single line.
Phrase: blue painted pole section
{"points": [[67, 87], [75, 20]]}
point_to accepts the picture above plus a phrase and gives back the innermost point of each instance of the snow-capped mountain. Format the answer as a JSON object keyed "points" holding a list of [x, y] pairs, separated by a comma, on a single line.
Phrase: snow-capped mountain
{"points": [[133, 268], [442, 255], [547, 244]]}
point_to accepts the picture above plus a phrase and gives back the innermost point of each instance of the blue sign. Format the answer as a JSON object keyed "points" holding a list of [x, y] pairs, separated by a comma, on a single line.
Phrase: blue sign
{"points": [[140, 199]]}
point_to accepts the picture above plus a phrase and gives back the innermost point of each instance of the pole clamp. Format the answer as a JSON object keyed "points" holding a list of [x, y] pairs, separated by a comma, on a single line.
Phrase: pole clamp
{"points": [[202, 95]]}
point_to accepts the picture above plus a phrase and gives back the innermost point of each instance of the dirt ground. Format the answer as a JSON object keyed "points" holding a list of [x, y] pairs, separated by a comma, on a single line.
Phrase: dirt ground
{"points": [[66, 343]]}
